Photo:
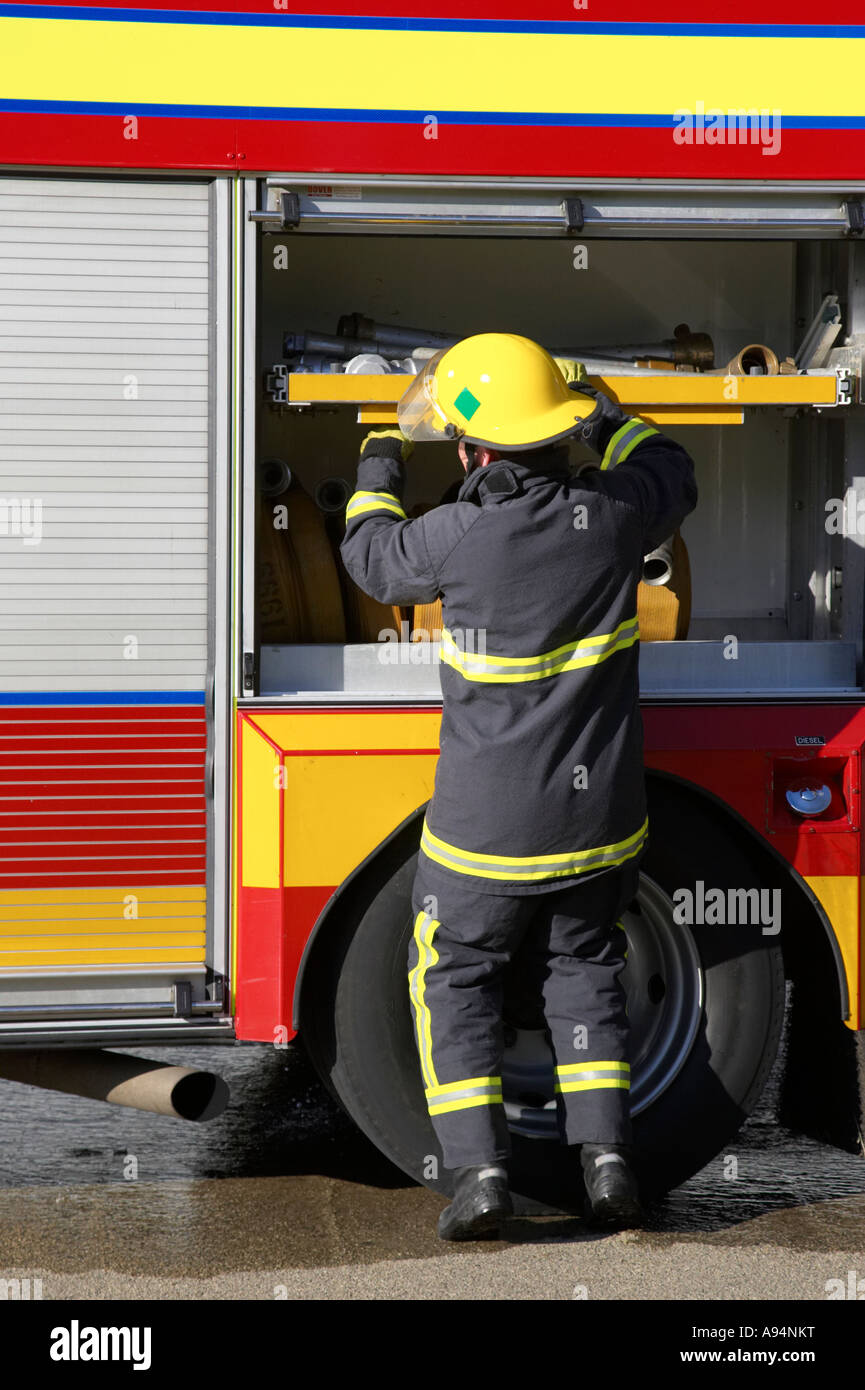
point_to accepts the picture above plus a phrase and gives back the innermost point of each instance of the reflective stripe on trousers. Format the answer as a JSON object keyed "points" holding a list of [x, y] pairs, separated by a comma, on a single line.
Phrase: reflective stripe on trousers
{"points": [[593, 1076], [463, 1095], [571, 953]]}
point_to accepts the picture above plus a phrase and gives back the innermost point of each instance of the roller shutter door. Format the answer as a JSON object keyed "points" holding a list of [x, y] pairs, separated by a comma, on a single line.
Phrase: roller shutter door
{"points": [[105, 341]]}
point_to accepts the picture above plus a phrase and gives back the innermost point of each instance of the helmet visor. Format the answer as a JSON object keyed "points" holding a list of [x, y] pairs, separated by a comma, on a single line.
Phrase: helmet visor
{"points": [[419, 415]]}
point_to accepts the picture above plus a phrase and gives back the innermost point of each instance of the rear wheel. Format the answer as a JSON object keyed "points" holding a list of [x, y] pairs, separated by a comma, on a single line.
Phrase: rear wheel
{"points": [[705, 1004]]}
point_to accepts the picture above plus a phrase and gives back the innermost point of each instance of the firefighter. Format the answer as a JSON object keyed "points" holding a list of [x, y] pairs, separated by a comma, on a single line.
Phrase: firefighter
{"points": [[538, 821]]}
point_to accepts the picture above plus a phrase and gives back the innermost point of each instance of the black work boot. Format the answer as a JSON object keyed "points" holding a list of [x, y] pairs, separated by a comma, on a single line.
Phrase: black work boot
{"points": [[481, 1201], [611, 1187]]}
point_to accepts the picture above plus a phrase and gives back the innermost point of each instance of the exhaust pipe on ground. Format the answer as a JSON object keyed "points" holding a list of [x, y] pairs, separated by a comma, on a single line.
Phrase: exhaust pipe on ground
{"points": [[137, 1082]]}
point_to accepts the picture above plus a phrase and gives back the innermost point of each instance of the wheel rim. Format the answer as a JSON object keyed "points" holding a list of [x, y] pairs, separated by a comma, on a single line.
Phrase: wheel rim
{"points": [[664, 982]]}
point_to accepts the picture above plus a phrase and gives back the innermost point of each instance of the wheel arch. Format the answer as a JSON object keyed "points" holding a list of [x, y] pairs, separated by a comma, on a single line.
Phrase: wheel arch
{"points": [[735, 827]]}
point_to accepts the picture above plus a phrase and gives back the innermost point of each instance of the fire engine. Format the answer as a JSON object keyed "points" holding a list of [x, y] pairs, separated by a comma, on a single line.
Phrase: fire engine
{"points": [[229, 235]]}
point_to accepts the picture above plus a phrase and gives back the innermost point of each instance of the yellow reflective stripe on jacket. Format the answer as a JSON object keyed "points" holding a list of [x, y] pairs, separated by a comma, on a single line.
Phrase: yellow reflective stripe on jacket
{"points": [[361, 502], [625, 440], [593, 1076], [424, 931], [464, 1095], [533, 867], [588, 651]]}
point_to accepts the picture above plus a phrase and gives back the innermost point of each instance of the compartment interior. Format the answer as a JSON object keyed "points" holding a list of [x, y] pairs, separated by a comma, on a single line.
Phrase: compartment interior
{"points": [[763, 567]]}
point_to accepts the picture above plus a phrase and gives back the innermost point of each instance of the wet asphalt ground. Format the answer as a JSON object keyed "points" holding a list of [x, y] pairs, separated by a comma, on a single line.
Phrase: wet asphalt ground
{"points": [[282, 1198]]}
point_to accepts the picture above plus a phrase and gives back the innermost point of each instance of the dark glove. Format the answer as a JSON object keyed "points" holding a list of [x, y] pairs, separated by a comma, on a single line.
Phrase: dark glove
{"points": [[605, 419], [390, 444]]}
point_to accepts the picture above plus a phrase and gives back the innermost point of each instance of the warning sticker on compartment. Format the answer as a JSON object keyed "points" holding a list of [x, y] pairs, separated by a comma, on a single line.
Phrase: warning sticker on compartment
{"points": [[334, 190]]}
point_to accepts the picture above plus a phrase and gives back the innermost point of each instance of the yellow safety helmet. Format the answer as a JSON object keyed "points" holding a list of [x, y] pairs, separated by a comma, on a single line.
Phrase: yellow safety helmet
{"points": [[498, 389]]}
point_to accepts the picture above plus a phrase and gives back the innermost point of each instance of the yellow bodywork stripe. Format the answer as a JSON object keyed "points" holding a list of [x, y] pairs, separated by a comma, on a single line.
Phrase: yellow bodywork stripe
{"points": [[30, 902], [259, 809], [63, 928], [104, 955], [427, 956], [841, 897], [243, 65], [361, 502]]}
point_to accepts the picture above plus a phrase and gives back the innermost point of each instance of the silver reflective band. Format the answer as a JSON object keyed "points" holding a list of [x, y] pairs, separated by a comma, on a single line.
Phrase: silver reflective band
{"points": [[362, 502], [439, 1095], [588, 651], [464, 1095], [625, 440], [534, 867], [594, 1076]]}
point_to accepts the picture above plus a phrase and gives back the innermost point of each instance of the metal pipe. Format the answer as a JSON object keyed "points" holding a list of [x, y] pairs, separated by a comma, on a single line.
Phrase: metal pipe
{"points": [[658, 564], [136, 1082], [369, 364], [416, 222], [292, 177], [684, 349], [154, 1009], [328, 344], [358, 326], [755, 359]]}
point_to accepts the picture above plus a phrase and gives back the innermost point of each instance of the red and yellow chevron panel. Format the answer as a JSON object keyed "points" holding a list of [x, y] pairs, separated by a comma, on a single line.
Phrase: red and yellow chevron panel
{"points": [[319, 790], [582, 91], [102, 834]]}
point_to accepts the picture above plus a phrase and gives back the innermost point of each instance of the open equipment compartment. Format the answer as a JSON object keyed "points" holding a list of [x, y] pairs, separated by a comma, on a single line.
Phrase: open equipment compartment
{"points": [[775, 559]]}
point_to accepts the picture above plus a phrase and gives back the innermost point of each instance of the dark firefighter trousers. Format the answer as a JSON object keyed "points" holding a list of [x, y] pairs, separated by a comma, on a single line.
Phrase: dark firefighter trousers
{"points": [[572, 950]]}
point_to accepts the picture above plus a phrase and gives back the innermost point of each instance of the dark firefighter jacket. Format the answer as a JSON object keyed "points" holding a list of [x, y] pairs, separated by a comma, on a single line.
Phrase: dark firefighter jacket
{"points": [[540, 777]]}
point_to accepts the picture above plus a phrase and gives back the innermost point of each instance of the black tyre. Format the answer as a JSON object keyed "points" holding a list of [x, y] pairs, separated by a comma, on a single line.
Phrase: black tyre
{"points": [[705, 1002]]}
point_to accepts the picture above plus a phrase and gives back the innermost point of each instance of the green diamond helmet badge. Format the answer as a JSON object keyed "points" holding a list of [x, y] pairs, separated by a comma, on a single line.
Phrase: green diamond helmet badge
{"points": [[466, 403]]}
